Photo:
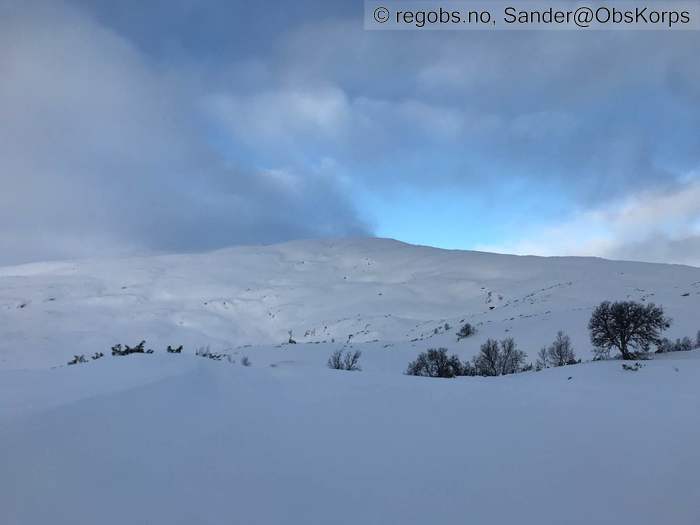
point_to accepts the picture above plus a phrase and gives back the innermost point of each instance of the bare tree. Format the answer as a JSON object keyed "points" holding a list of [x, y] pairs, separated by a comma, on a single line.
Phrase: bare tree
{"points": [[496, 359], [542, 359], [487, 363], [626, 326], [560, 352], [512, 359]]}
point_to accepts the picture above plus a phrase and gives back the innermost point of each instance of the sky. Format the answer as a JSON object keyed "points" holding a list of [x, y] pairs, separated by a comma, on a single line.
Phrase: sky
{"points": [[137, 127]]}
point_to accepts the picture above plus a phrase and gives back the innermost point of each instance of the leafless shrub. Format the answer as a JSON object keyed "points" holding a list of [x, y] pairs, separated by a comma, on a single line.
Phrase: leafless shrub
{"points": [[77, 359], [561, 352], [349, 361], [435, 363]]}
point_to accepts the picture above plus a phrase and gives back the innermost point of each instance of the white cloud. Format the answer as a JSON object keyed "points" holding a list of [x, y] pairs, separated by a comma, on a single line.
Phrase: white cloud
{"points": [[655, 226]]}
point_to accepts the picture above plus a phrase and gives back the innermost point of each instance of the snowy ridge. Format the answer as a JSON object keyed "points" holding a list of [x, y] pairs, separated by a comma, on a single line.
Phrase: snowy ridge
{"points": [[354, 291]]}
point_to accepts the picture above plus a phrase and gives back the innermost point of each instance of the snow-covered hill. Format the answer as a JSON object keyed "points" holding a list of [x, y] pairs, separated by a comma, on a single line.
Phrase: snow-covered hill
{"points": [[180, 439], [326, 292]]}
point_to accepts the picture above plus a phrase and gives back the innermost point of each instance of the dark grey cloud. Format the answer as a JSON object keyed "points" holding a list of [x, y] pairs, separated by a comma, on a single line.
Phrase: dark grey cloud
{"points": [[102, 153], [211, 30]]}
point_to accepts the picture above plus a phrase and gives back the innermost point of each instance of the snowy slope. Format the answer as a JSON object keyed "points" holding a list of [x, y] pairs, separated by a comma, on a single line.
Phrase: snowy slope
{"points": [[324, 291], [182, 440]]}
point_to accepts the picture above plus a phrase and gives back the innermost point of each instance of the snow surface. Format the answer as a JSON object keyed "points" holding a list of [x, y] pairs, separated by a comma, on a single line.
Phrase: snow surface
{"points": [[180, 439]]}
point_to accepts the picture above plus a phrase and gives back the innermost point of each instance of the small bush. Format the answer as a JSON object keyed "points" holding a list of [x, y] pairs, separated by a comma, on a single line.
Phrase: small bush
{"points": [[172, 350], [465, 331], [77, 359], [468, 369], [494, 359], [335, 361], [664, 346], [97, 355], [684, 345], [349, 361], [632, 368], [245, 361], [436, 363], [138, 349], [204, 351], [679, 345]]}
